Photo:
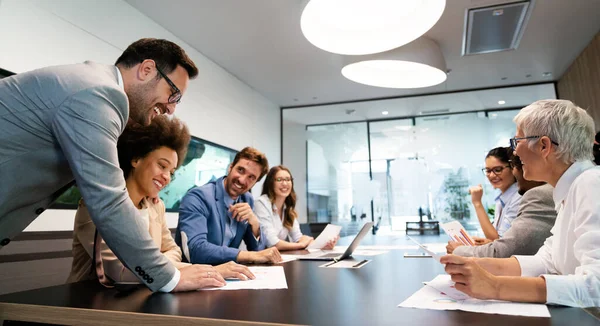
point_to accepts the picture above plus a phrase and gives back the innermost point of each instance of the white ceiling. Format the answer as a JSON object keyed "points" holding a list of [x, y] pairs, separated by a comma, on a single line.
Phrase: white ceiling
{"points": [[261, 43]]}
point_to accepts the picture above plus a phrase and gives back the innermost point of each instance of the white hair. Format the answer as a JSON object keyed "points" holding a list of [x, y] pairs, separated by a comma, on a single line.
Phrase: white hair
{"points": [[564, 122]]}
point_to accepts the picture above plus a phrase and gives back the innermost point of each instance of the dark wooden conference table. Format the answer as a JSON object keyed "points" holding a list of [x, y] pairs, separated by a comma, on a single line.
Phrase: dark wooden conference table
{"points": [[315, 296]]}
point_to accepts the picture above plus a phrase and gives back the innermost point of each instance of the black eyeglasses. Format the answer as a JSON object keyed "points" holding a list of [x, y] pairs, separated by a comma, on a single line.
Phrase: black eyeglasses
{"points": [[514, 140], [280, 180], [176, 94], [495, 170]]}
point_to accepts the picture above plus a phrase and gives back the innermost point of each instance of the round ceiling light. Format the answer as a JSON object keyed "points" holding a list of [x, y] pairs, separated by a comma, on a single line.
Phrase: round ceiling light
{"points": [[418, 64], [357, 27]]}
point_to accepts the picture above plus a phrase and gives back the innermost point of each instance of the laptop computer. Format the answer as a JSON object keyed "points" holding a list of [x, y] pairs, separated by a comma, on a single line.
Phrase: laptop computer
{"points": [[336, 255]]}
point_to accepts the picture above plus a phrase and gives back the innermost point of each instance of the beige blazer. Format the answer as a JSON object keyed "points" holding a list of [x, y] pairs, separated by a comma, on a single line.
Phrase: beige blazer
{"points": [[84, 231]]}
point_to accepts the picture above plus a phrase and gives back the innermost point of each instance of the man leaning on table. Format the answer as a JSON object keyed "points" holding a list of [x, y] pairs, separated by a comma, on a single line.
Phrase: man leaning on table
{"points": [[61, 124], [216, 217]]}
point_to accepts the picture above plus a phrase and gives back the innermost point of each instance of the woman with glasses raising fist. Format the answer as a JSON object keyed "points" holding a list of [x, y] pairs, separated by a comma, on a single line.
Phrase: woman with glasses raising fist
{"points": [[498, 171], [276, 211]]}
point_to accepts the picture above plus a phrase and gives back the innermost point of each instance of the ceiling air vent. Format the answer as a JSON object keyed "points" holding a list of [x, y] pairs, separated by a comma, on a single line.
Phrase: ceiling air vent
{"points": [[495, 28]]}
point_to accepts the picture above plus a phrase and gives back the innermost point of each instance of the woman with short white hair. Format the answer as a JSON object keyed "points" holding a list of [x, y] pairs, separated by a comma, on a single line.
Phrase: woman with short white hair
{"points": [[554, 142]]}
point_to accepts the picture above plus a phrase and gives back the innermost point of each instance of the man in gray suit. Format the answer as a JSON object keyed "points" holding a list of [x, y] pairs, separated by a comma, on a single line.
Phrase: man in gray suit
{"points": [[529, 230], [59, 124]]}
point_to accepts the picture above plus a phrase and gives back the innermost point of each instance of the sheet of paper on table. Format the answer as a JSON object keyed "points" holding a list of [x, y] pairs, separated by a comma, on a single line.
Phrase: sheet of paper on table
{"points": [[430, 298], [288, 258], [331, 231], [444, 284], [267, 277]]}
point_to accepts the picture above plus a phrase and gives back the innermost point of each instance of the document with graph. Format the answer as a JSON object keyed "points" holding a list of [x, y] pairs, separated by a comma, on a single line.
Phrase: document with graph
{"points": [[443, 296], [457, 233], [267, 277]]}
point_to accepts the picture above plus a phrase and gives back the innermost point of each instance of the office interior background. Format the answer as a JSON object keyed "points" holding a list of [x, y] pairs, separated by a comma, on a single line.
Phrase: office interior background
{"points": [[357, 152]]}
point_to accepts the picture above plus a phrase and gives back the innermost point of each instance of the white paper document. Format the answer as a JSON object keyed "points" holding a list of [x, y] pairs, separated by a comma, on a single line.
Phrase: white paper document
{"points": [[445, 285], [457, 233], [331, 231], [287, 258], [430, 298], [267, 277], [431, 253], [438, 248]]}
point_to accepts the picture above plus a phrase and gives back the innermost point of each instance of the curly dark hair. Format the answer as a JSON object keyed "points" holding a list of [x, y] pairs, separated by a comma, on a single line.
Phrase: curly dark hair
{"points": [[254, 155], [504, 154], [166, 54], [290, 200], [138, 141]]}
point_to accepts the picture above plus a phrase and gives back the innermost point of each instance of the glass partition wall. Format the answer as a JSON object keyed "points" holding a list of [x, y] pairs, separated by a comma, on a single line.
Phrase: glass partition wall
{"points": [[388, 169]]}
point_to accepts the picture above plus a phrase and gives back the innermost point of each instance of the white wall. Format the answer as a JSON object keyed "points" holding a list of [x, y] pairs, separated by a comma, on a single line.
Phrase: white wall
{"points": [[217, 106]]}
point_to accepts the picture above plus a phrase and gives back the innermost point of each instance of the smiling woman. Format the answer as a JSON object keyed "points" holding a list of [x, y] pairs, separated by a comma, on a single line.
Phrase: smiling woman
{"points": [[148, 156], [497, 170]]}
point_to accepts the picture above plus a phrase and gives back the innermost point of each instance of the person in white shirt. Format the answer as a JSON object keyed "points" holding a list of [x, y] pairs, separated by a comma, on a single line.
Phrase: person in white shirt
{"points": [[497, 170], [554, 142], [276, 212]]}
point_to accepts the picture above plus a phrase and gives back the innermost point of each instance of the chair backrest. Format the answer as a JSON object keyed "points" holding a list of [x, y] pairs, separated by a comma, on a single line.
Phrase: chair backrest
{"points": [[305, 229]]}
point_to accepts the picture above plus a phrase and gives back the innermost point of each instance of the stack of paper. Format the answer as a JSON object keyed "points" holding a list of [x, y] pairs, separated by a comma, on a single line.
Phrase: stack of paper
{"points": [[431, 297]]}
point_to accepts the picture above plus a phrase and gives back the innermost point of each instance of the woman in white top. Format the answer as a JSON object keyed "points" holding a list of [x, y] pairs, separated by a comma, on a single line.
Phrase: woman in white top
{"points": [[276, 211], [554, 143], [497, 170]]}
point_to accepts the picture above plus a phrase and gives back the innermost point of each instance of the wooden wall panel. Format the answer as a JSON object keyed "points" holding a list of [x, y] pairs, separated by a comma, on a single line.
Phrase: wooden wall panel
{"points": [[581, 82]]}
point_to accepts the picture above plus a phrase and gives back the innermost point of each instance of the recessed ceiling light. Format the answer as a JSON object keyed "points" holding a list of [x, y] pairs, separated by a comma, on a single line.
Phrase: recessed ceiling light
{"points": [[501, 102], [384, 112], [357, 27], [418, 64], [547, 74]]}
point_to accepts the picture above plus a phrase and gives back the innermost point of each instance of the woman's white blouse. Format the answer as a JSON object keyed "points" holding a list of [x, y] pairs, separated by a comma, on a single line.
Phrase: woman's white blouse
{"points": [[271, 225]]}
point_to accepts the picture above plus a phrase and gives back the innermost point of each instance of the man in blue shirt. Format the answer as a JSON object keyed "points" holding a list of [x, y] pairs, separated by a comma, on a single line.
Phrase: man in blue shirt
{"points": [[216, 217]]}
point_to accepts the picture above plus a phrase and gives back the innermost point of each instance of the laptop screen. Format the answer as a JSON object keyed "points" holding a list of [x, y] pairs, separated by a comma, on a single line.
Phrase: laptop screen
{"points": [[365, 229]]}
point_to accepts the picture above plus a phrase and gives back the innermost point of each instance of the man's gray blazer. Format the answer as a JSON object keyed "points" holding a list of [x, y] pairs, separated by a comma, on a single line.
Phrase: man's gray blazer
{"points": [[62, 123], [529, 230]]}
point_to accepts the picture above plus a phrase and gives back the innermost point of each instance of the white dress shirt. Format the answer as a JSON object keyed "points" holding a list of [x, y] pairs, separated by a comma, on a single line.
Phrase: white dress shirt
{"points": [[173, 282], [569, 260], [272, 225]]}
